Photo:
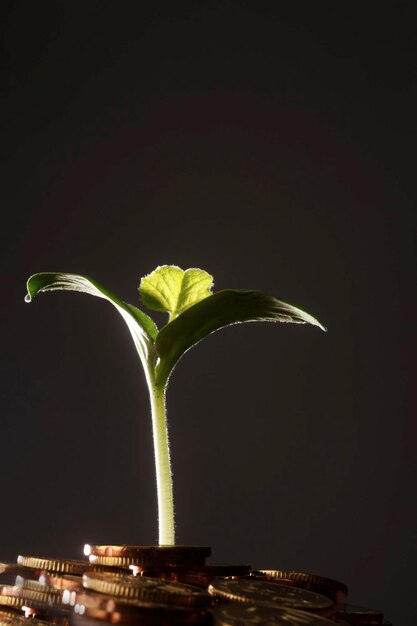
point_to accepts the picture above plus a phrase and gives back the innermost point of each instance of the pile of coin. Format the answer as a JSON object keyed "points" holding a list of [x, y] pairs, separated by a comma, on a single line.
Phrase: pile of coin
{"points": [[168, 586]]}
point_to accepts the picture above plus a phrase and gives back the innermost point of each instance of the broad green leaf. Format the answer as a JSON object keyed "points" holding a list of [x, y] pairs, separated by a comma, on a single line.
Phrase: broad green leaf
{"points": [[219, 310], [173, 290], [142, 328]]}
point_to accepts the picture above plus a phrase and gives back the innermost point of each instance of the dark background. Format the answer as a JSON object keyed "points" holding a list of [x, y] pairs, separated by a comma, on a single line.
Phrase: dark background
{"points": [[272, 144]]}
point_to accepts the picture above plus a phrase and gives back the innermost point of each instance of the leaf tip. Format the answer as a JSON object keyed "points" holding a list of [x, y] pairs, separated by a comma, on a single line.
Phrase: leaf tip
{"points": [[29, 296]]}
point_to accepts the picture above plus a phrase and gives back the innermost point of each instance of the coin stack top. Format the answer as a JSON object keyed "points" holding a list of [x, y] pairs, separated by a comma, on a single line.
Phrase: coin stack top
{"points": [[147, 556]]}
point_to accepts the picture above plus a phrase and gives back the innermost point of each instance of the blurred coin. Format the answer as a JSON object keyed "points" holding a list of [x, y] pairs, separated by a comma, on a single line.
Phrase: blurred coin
{"points": [[234, 614], [333, 589], [61, 582], [145, 589], [148, 556], [43, 603], [18, 620], [8, 572], [358, 614], [9, 598], [35, 593], [260, 592]]}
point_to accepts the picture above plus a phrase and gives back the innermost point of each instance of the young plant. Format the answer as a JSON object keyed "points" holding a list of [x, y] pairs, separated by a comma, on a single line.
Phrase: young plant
{"points": [[193, 313]]}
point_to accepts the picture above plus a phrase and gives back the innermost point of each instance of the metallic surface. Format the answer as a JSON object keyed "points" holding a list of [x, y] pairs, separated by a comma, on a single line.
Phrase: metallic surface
{"points": [[235, 614], [333, 589], [145, 589], [260, 592]]}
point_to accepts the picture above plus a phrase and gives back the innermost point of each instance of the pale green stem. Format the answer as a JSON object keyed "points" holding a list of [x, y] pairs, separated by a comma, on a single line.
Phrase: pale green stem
{"points": [[163, 466]]}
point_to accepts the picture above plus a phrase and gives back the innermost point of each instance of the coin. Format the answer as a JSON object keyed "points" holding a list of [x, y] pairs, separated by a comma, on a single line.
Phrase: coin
{"points": [[147, 556], [358, 614], [8, 597], [18, 620], [234, 614], [36, 593], [120, 610], [145, 589], [44, 603], [333, 589], [61, 582], [63, 566], [10, 570], [260, 592], [198, 576], [54, 565]]}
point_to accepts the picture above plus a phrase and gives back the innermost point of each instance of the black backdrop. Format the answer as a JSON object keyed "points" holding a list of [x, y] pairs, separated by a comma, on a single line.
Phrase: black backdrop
{"points": [[273, 146]]}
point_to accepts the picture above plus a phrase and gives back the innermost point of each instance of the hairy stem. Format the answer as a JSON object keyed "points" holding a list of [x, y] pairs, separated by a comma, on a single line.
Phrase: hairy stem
{"points": [[163, 466]]}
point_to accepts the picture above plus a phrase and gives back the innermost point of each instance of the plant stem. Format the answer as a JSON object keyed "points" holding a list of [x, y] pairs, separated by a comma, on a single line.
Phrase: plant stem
{"points": [[163, 465]]}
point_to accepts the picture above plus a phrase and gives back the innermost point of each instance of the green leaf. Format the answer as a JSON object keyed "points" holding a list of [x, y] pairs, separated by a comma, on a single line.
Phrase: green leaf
{"points": [[142, 328], [219, 310], [173, 290]]}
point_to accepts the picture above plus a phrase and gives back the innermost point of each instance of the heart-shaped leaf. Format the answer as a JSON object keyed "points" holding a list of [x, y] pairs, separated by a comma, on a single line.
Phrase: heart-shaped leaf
{"points": [[142, 327], [223, 308], [173, 290]]}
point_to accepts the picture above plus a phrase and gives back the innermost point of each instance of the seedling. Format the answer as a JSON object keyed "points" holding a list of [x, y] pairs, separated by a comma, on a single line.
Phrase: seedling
{"points": [[194, 312]]}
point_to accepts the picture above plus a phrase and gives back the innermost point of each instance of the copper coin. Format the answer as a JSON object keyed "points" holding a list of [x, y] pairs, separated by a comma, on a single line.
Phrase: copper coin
{"points": [[60, 583], [148, 556], [260, 592], [234, 614], [145, 589], [358, 614], [198, 576], [119, 610], [14, 569], [333, 589]]}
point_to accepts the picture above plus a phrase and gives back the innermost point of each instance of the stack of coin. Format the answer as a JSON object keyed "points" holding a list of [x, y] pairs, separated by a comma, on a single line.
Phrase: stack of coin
{"points": [[168, 586], [198, 576], [147, 557]]}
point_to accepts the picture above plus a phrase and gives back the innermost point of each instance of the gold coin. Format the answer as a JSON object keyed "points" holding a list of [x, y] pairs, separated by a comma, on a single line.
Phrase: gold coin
{"points": [[54, 565], [333, 589], [114, 562], [145, 589], [62, 566], [149, 555], [260, 592], [8, 598], [239, 614]]}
